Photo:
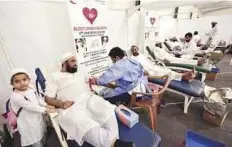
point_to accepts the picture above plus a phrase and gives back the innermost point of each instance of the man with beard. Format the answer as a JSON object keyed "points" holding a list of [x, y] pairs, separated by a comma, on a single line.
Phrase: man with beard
{"points": [[157, 70], [189, 48], [81, 114]]}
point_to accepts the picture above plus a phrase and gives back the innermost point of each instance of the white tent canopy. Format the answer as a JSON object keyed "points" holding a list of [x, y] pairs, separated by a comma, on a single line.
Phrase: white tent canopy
{"points": [[156, 5], [213, 6]]}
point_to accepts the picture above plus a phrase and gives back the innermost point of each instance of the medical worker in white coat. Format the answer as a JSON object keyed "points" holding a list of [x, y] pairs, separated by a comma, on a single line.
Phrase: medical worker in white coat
{"points": [[213, 39], [83, 115]]}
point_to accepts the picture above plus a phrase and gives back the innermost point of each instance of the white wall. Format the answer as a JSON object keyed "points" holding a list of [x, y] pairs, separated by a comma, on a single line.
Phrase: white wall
{"points": [[203, 25], [117, 29], [178, 27], [35, 34], [133, 32]]}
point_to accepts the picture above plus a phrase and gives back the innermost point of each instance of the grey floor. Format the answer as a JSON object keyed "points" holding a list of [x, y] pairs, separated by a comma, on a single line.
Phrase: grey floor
{"points": [[173, 123]]}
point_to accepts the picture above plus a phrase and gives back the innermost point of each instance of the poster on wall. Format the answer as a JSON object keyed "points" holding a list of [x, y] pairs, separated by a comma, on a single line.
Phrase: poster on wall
{"points": [[88, 19], [151, 31]]}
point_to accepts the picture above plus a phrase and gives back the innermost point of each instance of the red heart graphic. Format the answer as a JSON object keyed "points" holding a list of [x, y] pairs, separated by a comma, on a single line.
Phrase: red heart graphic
{"points": [[90, 14], [152, 20]]}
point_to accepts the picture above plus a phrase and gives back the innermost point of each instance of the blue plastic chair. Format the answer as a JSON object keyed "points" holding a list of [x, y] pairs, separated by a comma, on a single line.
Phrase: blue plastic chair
{"points": [[196, 140]]}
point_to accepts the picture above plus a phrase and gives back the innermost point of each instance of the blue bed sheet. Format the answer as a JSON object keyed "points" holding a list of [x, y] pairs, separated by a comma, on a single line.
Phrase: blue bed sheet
{"points": [[140, 134], [194, 88]]}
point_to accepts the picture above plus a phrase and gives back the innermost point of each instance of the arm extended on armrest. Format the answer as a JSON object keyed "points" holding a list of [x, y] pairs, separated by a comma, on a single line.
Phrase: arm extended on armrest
{"points": [[188, 66], [154, 94], [54, 102]]}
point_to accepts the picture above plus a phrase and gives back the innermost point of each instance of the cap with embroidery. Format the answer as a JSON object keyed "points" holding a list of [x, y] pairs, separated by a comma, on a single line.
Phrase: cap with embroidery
{"points": [[17, 71], [66, 57]]}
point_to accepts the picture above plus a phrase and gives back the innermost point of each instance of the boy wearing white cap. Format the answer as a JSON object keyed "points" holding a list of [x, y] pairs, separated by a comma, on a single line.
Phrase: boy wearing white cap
{"points": [[81, 114], [28, 109]]}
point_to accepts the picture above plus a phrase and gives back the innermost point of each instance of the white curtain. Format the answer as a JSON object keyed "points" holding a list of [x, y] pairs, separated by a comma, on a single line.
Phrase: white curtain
{"points": [[34, 34]]}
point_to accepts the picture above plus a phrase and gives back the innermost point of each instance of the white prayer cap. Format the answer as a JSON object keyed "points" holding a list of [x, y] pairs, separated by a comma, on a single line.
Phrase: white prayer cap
{"points": [[158, 40], [17, 71], [66, 56]]}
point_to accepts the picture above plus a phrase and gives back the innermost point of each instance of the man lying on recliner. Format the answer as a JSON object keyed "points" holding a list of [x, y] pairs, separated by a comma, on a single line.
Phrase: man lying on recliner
{"points": [[157, 70]]}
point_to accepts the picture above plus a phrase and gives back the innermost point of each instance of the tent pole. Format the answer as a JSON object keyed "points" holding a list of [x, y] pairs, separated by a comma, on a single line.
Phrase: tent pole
{"points": [[127, 28], [5, 53]]}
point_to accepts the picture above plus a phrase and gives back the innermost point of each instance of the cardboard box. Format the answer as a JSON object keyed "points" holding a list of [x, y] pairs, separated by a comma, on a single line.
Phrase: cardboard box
{"points": [[127, 116], [214, 118], [213, 74]]}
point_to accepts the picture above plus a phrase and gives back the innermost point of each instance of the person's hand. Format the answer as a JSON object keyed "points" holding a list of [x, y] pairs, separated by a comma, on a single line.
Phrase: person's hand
{"points": [[200, 61], [146, 73], [188, 75], [166, 61], [67, 104], [93, 81], [50, 110], [50, 107]]}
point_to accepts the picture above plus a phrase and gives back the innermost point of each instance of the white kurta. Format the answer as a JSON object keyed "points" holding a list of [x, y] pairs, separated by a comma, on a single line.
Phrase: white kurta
{"points": [[189, 50], [156, 70], [213, 34], [88, 111], [196, 38], [30, 123], [163, 54], [173, 44]]}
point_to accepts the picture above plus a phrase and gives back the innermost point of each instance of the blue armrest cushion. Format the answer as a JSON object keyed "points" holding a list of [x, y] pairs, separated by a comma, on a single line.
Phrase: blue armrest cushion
{"points": [[194, 88], [140, 134]]}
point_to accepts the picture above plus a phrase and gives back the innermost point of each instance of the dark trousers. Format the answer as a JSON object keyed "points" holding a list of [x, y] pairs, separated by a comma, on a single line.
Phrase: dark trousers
{"points": [[122, 98], [16, 142]]}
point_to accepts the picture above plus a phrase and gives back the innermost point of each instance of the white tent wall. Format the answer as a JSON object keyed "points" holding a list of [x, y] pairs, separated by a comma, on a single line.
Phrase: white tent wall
{"points": [[5, 83], [203, 25], [168, 25], [133, 32], [183, 24], [33, 34], [117, 29], [123, 29]]}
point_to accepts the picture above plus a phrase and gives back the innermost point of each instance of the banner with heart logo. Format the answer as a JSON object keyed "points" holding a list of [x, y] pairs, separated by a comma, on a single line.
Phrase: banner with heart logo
{"points": [[152, 20], [90, 35], [90, 14], [151, 29]]}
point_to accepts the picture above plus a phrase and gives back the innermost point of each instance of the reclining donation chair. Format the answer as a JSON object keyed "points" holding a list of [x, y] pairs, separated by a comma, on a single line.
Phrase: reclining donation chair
{"points": [[192, 91], [140, 134]]}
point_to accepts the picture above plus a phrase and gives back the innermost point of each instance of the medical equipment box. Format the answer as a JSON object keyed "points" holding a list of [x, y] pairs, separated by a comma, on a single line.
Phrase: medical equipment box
{"points": [[127, 116], [197, 140]]}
